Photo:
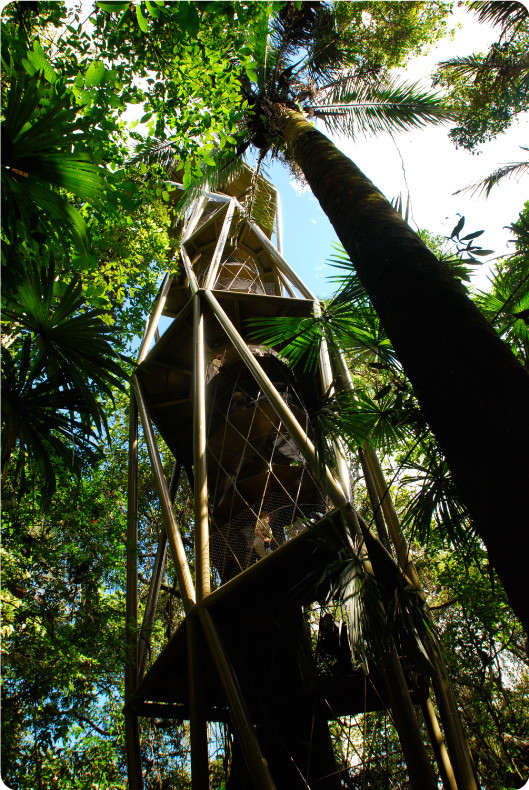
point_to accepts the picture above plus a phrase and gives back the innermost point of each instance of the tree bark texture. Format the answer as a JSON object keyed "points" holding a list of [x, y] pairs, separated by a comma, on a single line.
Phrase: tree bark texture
{"points": [[473, 391]]}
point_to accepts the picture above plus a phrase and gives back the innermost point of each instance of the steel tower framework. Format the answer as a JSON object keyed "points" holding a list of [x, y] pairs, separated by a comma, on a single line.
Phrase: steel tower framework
{"points": [[237, 419]]}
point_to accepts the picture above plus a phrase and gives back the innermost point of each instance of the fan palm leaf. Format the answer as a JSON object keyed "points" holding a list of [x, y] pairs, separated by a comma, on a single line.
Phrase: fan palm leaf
{"points": [[39, 423], [379, 605], [61, 361], [436, 501], [40, 155], [70, 346]]}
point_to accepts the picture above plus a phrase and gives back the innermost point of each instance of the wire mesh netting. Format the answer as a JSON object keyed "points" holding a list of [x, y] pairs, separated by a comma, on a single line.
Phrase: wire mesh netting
{"points": [[261, 491]]}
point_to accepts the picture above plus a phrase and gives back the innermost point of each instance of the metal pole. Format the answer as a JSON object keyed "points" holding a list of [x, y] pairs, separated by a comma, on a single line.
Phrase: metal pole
{"points": [[256, 762], [328, 386], [185, 581], [202, 574], [279, 225], [196, 213], [299, 436], [132, 735], [285, 283], [156, 580], [155, 318], [210, 220], [188, 266], [281, 262], [219, 248], [197, 709], [151, 603]]}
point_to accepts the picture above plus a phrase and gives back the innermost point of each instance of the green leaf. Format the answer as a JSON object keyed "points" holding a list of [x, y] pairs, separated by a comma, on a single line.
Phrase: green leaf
{"points": [[29, 67], [153, 11], [94, 74], [112, 6], [142, 19], [188, 19], [41, 64], [472, 235]]}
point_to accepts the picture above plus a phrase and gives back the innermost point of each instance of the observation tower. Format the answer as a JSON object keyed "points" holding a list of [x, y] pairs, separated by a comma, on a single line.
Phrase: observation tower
{"points": [[270, 522]]}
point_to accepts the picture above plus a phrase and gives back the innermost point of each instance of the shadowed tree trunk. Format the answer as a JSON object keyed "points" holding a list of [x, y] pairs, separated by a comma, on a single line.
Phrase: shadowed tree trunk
{"points": [[473, 391]]}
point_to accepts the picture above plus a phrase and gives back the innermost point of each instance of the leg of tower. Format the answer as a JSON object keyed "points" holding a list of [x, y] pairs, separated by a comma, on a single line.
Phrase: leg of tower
{"points": [[197, 710], [202, 571], [131, 671], [460, 758], [199, 734]]}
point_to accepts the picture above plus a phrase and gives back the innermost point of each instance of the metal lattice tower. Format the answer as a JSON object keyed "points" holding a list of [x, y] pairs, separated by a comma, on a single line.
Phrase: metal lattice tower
{"points": [[237, 419]]}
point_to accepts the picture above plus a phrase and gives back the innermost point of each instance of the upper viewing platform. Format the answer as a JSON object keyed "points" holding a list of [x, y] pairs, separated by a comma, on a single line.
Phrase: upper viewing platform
{"points": [[230, 240]]}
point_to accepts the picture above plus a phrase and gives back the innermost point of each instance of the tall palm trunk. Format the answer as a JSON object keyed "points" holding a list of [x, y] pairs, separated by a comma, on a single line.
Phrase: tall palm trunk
{"points": [[473, 391]]}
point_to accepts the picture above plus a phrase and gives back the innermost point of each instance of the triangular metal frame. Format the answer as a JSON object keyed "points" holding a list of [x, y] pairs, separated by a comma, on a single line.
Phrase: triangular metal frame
{"points": [[454, 764]]}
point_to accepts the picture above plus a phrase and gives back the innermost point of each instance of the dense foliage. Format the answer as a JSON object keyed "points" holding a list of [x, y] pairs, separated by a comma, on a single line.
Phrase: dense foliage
{"points": [[88, 211], [490, 89]]}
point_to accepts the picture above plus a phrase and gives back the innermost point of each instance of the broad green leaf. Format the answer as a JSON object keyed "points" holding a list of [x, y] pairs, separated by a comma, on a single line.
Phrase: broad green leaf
{"points": [[94, 74], [112, 6], [142, 19], [41, 64], [153, 11], [29, 67], [188, 18]]}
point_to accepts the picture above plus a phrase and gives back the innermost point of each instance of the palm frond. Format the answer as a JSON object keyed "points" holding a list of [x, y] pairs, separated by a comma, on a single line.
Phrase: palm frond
{"points": [[326, 56], [436, 501], [470, 66], [507, 14], [62, 362], [383, 421], [40, 155], [511, 170], [72, 347], [298, 340], [39, 424], [381, 609], [349, 287], [498, 66], [353, 107]]}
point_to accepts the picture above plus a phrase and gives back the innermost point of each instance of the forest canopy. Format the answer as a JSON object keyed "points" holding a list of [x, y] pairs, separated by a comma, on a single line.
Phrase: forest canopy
{"points": [[105, 107]]}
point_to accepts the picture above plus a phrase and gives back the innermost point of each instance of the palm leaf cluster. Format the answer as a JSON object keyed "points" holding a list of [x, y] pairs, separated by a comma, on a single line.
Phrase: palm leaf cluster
{"points": [[42, 158], [435, 501], [58, 358], [383, 413], [506, 303], [505, 14], [381, 609], [57, 361], [309, 68]]}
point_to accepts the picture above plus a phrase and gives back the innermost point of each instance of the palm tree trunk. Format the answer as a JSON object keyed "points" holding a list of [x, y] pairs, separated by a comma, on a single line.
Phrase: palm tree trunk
{"points": [[473, 391]]}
